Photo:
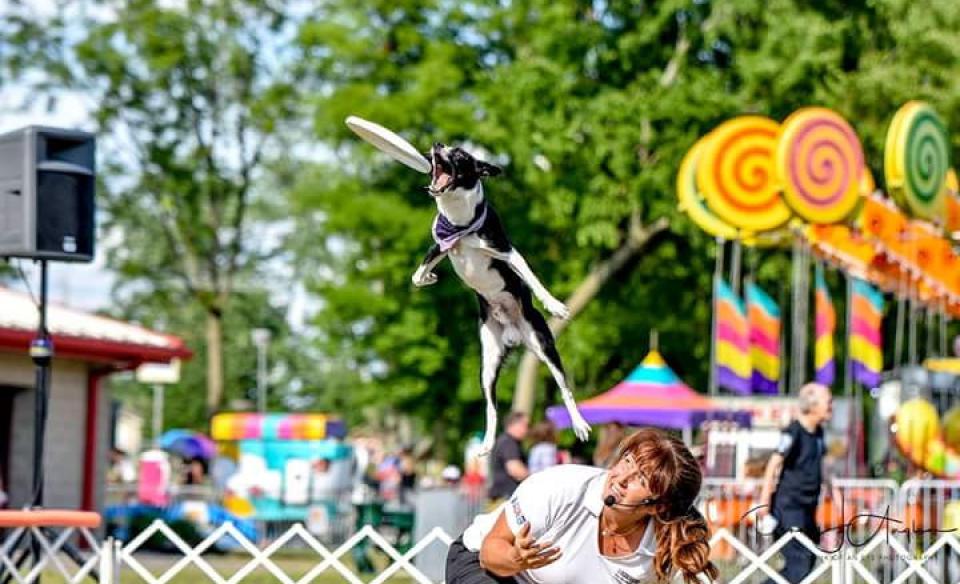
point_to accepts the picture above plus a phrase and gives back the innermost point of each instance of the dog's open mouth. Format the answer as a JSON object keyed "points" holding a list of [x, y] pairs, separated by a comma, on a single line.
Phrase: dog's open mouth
{"points": [[442, 177]]}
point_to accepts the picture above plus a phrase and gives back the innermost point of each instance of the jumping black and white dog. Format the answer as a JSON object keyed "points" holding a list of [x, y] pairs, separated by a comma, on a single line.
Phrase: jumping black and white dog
{"points": [[469, 232]]}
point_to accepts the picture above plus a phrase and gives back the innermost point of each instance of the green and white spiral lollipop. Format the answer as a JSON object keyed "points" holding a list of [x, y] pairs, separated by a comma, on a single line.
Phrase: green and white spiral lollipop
{"points": [[916, 159]]}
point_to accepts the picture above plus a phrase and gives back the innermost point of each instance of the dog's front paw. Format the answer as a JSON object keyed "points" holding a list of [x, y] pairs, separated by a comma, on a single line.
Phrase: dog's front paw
{"points": [[581, 428], [557, 308], [424, 278]]}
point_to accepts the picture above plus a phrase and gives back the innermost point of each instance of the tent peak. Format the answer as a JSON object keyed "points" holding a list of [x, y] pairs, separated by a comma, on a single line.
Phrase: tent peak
{"points": [[653, 359]]}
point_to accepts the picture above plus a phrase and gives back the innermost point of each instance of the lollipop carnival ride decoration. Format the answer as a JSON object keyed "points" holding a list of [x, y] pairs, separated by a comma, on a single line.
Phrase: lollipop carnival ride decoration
{"points": [[916, 160], [737, 175], [804, 183], [821, 164]]}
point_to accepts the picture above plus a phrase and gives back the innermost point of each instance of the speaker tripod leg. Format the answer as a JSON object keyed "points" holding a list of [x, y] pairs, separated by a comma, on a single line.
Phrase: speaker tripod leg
{"points": [[73, 553], [19, 552]]}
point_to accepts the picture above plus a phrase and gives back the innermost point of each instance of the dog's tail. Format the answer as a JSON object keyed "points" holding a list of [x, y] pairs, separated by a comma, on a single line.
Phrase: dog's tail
{"points": [[507, 315]]}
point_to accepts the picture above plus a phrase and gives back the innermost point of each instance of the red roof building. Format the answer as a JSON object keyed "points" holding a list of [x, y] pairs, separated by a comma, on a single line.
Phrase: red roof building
{"points": [[88, 348]]}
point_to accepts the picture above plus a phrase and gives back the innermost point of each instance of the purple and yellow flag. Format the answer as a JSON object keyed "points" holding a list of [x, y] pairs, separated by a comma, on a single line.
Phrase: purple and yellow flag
{"points": [[763, 316], [731, 344], [866, 321], [824, 328]]}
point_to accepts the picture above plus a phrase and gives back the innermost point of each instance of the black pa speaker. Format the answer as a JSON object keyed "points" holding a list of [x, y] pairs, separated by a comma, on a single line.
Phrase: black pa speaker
{"points": [[47, 179]]}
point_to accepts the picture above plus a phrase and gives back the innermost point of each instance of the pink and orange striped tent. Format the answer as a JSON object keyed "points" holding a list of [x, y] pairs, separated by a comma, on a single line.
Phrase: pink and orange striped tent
{"points": [[652, 395]]}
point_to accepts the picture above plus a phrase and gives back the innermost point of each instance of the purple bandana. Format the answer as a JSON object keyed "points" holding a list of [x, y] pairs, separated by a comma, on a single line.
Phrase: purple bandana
{"points": [[446, 234]]}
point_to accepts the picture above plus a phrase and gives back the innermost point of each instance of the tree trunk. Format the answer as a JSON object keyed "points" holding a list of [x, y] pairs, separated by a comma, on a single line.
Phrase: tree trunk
{"points": [[440, 449], [637, 240], [214, 360]]}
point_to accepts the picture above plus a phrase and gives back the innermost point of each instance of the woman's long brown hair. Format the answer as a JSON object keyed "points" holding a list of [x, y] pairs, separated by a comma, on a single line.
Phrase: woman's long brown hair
{"points": [[673, 476]]}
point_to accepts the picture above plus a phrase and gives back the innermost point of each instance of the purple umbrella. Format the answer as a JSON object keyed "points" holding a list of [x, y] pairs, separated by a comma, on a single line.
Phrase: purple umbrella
{"points": [[188, 445]]}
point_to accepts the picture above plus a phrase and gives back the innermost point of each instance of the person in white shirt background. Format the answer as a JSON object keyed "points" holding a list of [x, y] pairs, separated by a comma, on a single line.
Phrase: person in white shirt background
{"points": [[571, 524], [543, 453]]}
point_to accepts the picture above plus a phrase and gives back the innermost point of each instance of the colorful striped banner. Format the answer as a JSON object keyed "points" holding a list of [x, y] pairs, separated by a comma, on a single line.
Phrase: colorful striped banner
{"points": [[824, 328], [732, 344], [763, 316], [866, 347]]}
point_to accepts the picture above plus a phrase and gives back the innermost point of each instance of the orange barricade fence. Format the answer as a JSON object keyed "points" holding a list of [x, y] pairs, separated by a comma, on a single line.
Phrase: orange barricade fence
{"points": [[40, 541]]}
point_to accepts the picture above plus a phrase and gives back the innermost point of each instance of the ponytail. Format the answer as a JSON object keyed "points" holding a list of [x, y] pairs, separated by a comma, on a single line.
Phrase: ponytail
{"points": [[673, 475], [683, 546]]}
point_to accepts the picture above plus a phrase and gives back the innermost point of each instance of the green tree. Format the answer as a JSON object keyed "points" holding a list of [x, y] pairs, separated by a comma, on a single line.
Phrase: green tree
{"points": [[194, 101], [548, 90], [31, 46], [30, 58], [184, 405], [589, 107]]}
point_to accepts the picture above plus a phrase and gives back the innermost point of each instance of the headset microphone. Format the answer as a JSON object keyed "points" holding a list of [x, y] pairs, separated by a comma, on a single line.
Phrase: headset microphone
{"points": [[610, 501]]}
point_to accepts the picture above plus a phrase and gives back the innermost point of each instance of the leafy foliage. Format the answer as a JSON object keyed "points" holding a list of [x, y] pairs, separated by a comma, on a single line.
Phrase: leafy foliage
{"points": [[590, 107], [193, 99]]}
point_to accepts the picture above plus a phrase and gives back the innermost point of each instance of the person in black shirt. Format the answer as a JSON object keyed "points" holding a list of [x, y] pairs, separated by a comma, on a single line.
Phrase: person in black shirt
{"points": [[507, 468], [796, 469]]}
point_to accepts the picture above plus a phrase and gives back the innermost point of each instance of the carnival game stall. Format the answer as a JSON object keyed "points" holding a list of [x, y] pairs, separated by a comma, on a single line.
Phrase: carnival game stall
{"points": [[190, 510], [288, 468], [918, 417]]}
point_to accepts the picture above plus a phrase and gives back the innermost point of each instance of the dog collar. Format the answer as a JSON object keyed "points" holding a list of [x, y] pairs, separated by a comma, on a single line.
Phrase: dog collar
{"points": [[447, 234]]}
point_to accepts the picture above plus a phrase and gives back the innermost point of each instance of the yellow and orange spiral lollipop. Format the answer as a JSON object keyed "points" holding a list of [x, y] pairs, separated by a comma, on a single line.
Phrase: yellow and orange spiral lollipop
{"points": [[821, 165], [737, 175], [691, 200]]}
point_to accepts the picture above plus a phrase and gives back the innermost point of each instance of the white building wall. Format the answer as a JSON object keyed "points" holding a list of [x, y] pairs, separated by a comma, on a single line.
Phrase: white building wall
{"points": [[65, 436]]}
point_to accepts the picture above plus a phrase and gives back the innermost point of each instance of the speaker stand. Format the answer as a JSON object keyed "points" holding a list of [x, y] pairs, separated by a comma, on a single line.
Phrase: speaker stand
{"points": [[41, 352]]}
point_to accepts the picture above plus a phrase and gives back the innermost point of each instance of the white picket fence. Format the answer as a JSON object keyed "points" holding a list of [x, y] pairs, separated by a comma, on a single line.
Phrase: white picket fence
{"points": [[849, 565], [871, 555]]}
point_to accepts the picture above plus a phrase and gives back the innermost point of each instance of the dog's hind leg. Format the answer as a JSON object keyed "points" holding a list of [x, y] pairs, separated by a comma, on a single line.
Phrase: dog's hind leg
{"points": [[492, 354], [539, 339]]}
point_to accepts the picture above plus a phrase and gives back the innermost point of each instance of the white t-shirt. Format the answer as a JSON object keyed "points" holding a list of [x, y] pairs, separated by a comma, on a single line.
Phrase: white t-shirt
{"points": [[563, 505]]}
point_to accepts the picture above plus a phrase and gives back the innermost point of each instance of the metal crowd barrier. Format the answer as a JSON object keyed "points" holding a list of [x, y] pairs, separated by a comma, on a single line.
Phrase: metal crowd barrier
{"points": [[928, 509], [731, 505]]}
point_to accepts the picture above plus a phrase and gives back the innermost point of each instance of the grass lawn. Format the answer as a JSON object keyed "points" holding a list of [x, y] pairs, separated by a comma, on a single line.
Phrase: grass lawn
{"points": [[294, 564]]}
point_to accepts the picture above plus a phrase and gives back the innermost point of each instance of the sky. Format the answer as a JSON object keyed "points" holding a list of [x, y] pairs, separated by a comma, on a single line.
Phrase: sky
{"points": [[87, 286], [79, 285]]}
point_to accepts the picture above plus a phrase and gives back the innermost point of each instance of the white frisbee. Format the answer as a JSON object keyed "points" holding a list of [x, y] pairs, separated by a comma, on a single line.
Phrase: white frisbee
{"points": [[389, 143]]}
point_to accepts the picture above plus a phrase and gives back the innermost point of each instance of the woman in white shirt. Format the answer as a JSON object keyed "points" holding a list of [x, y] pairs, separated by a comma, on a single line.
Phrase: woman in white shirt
{"points": [[572, 524]]}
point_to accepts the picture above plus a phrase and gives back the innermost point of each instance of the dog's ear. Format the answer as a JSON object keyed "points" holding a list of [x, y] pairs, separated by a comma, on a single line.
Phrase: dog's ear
{"points": [[487, 169]]}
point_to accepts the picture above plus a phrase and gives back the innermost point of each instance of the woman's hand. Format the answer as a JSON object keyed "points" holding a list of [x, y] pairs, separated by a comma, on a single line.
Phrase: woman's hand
{"points": [[506, 554], [530, 555]]}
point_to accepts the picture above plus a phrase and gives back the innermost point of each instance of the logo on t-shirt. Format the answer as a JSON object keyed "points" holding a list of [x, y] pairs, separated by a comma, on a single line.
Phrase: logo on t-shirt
{"points": [[623, 578], [516, 510], [786, 441]]}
